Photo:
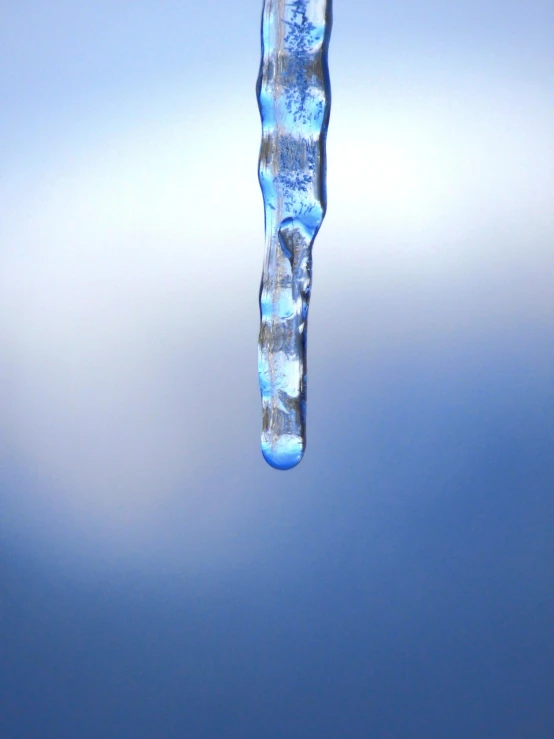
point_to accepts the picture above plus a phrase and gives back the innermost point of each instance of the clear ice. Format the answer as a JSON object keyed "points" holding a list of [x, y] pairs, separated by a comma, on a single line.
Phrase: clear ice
{"points": [[294, 99]]}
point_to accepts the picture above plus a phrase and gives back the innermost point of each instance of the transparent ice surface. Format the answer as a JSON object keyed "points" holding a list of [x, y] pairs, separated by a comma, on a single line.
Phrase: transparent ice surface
{"points": [[294, 99]]}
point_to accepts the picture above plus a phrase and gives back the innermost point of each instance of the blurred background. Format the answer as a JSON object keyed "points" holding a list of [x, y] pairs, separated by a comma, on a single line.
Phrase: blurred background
{"points": [[157, 578]]}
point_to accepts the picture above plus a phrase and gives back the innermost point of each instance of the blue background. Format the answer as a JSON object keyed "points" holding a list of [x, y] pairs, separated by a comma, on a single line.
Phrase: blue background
{"points": [[157, 579]]}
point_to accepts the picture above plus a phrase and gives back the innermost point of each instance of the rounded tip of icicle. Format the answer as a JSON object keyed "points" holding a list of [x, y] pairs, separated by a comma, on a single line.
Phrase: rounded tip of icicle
{"points": [[283, 453]]}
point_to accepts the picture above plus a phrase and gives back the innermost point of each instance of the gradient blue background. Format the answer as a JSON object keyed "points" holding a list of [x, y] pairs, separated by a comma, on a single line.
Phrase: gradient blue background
{"points": [[157, 579]]}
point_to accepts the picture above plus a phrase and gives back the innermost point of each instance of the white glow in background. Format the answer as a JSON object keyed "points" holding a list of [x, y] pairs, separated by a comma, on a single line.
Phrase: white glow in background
{"points": [[131, 251]]}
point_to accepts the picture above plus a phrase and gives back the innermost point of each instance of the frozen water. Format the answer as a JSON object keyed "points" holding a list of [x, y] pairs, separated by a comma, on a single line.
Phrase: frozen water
{"points": [[294, 99]]}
